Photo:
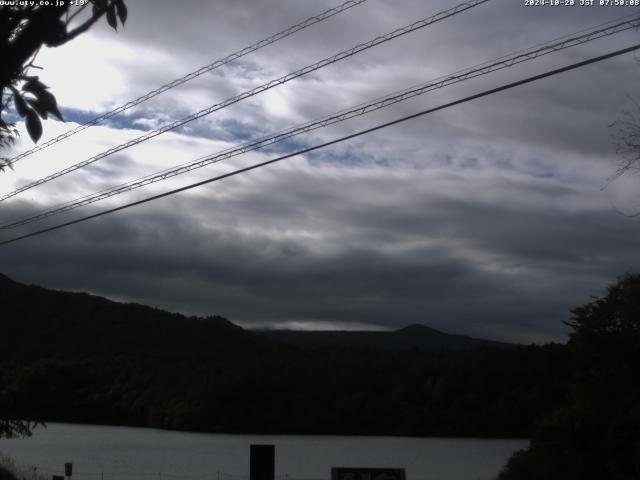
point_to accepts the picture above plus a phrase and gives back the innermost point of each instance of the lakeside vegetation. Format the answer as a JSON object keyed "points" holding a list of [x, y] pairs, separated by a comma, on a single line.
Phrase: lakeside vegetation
{"points": [[10, 470], [595, 434]]}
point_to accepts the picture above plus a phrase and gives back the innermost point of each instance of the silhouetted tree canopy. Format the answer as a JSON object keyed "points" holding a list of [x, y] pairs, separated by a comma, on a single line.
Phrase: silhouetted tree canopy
{"points": [[6, 474], [613, 318], [627, 139], [597, 435], [24, 29]]}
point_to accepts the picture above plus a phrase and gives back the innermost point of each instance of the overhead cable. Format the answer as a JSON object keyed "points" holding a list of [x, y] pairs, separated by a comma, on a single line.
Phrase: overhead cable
{"points": [[255, 91], [190, 76], [362, 109], [332, 142]]}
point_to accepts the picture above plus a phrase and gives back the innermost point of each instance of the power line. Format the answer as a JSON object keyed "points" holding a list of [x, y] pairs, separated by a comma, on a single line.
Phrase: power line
{"points": [[332, 142], [362, 109], [190, 76], [255, 91]]}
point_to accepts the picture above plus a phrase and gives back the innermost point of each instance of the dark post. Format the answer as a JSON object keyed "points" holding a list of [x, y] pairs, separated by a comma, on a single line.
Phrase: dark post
{"points": [[262, 462], [68, 469]]}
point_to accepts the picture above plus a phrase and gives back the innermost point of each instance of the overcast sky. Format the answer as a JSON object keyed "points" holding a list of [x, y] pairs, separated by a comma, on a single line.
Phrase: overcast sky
{"points": [[487, 219]]}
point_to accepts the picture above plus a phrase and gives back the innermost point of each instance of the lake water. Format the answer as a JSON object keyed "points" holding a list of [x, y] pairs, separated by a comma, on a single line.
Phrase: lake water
{"points": [[121, 453]]}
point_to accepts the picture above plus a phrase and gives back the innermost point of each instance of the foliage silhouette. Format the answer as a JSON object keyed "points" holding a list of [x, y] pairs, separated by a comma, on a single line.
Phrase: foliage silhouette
{"points": [[597, 434], [6, 474], [25, 28]]}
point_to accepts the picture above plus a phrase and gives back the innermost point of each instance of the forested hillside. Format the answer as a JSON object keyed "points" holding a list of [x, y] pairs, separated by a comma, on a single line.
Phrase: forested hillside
{"points": [[41, 323], [80, 358]]}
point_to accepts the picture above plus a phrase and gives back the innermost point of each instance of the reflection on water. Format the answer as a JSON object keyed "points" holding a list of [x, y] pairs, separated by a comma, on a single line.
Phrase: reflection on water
{"points": [[121, 453]]}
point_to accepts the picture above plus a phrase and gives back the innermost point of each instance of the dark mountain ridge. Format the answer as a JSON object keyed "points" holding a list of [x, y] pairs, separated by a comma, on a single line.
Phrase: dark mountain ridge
{"points": [[414, 337], [41, 323]]}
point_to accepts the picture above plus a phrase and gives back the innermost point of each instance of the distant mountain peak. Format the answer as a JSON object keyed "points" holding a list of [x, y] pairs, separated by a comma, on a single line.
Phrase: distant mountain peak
{"points": [[412, 337], [417, 328]]}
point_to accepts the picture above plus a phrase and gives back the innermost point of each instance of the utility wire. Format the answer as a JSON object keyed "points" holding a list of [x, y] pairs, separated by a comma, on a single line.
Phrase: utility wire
{"points": [[255, 91], [362, 109], [332, 142], [190, 76]]}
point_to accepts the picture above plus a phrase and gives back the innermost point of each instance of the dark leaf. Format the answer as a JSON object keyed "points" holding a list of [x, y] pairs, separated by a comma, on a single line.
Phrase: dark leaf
{"points": [[34, 86], [49, 104], [121, 9], [38, 107], [21, 106], [99, 7], [56, 34], [34, 125], [111, 16]]}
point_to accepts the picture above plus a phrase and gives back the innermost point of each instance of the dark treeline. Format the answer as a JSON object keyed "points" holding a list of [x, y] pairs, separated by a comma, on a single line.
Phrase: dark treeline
{"points": [[478, 393]]}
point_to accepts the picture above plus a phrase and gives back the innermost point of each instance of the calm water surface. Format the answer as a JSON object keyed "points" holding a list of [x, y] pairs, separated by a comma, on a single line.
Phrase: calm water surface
{"points": [[121, 453]]}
